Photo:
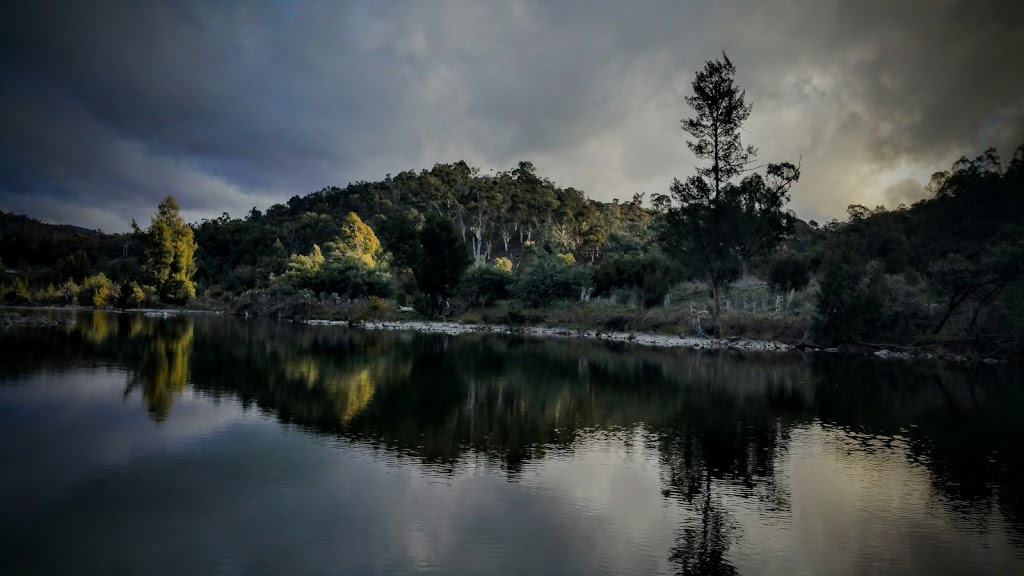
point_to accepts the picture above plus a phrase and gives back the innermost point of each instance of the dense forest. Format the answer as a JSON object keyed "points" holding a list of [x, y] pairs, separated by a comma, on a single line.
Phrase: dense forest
{"points": [[718, 254]]}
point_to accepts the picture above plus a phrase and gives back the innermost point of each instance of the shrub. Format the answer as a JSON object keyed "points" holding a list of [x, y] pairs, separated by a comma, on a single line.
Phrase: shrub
{"points": [[179, 291], [649, 277], [503, 263], [99, 291], [131, 296], [340, 273], [69, 291], [851, 302], [17, 292], [545, 279], [787, 271], [377, 304], [485, 285], [48, 295]]}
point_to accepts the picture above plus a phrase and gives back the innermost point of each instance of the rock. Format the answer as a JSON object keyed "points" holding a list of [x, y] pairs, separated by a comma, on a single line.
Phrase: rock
{"points": [[9, 319]]}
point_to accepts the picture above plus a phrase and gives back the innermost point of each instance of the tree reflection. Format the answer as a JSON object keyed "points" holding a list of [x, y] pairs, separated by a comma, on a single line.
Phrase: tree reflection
{"points": [[161, 368], [731, 421], [704, 539], [719, 422]]}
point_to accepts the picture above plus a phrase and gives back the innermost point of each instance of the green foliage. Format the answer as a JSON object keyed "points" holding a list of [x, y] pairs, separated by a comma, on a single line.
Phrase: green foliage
{"points": [[651, 275], [341, 273], [978, 281], [48, 294], [546, 278], [131, 295], [76, 266], [18, 291], [485, 285], [350, 276], [69, 292], [303, 269], [503, 263], [787, 271], [170, 253], [358, 241], [351, 266], [99, 291], [441, 259], [851, 306]]}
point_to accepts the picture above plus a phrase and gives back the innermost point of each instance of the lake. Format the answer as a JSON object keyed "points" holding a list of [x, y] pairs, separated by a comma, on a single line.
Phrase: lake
{"points": [[217, 445]]}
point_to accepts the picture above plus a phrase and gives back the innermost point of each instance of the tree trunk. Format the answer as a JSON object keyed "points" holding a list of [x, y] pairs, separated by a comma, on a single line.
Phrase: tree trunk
{"points": [[954, 303], [477, 247], [716, 308]]}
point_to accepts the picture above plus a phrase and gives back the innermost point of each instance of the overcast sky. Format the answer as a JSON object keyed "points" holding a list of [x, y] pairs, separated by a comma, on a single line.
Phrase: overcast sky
{"points": [[108, 106]]}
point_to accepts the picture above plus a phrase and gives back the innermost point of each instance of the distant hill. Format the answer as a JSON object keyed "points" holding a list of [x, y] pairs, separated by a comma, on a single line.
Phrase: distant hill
{"points": [[25, 241], [11, 223]]}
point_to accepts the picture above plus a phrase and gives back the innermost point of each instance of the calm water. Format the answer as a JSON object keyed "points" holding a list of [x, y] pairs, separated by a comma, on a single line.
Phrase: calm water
{"points": [[135, 445]]}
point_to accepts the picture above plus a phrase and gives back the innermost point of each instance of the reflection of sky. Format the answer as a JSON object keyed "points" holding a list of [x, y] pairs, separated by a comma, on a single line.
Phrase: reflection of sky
{"points": [[59, 428], [859, 509], [261, 498], [87, 474]]}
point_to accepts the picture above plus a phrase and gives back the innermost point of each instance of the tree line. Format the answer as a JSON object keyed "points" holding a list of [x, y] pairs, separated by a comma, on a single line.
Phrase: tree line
{"points": [[451, 238]]}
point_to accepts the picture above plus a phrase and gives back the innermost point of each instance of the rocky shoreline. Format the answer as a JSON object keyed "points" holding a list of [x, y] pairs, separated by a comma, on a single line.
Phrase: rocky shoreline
{"points": [[9, 319], [643, 339], [456, 328], [657, 340]]}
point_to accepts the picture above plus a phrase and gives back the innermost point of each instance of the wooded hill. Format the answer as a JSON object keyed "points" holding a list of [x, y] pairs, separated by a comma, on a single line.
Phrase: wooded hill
{"points": [[948, 270]]}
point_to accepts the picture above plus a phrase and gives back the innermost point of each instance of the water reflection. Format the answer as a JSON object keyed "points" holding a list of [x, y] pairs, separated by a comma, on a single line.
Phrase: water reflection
{"points": [[161, 369], [720, 423]]}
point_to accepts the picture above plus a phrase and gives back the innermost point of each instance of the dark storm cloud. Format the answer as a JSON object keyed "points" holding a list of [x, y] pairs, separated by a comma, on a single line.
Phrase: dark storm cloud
{"points": [[107, 106]]}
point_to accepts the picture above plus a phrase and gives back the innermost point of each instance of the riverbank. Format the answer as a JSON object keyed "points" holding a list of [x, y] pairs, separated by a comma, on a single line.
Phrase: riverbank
{"points": [[11, 319], [385, 320], [642, 339], [658, 340]]}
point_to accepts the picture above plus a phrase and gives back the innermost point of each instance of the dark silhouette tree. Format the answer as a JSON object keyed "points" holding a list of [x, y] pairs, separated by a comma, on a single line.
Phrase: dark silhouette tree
{"points": [[711, 223], [440, 260]]}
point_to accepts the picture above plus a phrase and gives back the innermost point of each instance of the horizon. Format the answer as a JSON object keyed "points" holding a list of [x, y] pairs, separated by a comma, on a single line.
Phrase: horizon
{"points": [[111, 106]]}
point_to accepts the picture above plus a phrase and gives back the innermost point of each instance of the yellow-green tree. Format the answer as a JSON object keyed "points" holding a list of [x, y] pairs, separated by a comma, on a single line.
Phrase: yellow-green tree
{"points": [[170, 253], [354, 264], [358, 240]]}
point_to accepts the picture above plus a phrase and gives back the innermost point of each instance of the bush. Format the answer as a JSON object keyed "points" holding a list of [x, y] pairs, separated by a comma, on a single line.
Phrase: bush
{"points": [[787, 271], [851, 302], [348, 276], [485, 285], [179, 291], [17, 292], [69, 292], [377, 304], [48, 295], [132, 295], [99, 291], [545, 279], [649, 277], [340, 273]]}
